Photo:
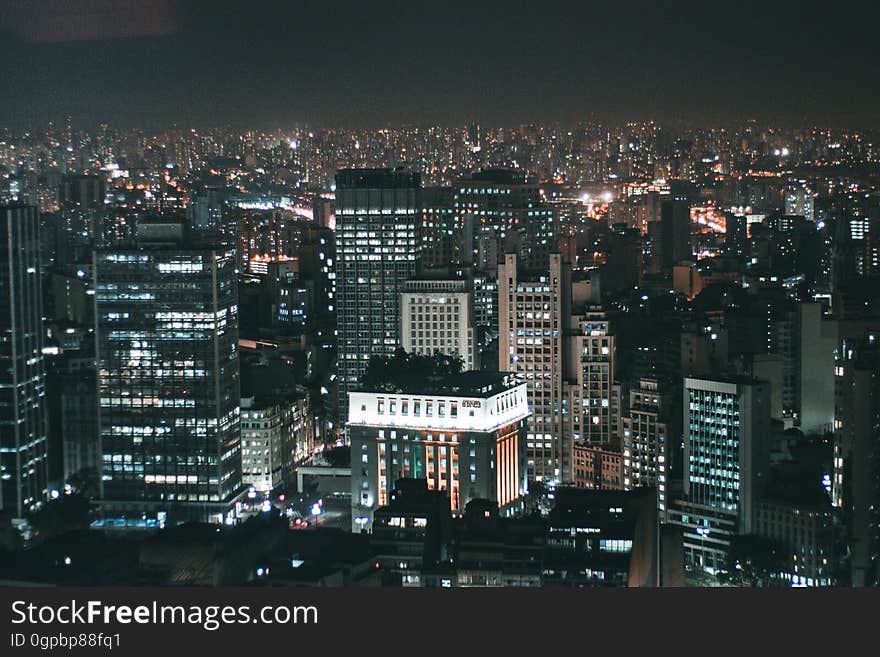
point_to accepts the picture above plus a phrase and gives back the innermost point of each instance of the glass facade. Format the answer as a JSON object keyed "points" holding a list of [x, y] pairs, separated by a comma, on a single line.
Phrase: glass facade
{"points": [[168, 377], [377, 216], [23, 461]]}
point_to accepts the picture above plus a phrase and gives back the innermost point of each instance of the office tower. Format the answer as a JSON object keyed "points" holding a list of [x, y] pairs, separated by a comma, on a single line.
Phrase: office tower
{"points": [[317, 267], [672, 234], [504, 214], [726, 435], [704, 349], [856, 477], [532, 310], [736, 235], [486, 303], [438, 316], [412, 532], [872, 244], [818, 337], [83, 215], [205, 211], [593, 396], [463, 434], [82, 191], [441, 238], [23, 459], [377, 216], [168, 378], [324, 212], [647, 442], [623, 266], [73, 424]]}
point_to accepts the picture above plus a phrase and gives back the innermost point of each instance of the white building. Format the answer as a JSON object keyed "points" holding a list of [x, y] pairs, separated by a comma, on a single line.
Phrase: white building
{"points": [[463, 435], [438, 315], [276, 436]]}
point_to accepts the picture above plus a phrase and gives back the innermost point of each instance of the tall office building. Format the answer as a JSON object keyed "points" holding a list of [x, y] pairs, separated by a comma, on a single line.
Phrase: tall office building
{"points": [[377, 247], [205, 210], [438, 316], [726, 436], [500, 212], [672, 234], [441, 240], [856, 477], [647, 441], [168, 378], [532, 311], [23, 459]]}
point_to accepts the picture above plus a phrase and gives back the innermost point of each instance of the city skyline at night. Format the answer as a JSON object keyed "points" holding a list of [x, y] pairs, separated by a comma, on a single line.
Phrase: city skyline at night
{"points": [[411, 295]]}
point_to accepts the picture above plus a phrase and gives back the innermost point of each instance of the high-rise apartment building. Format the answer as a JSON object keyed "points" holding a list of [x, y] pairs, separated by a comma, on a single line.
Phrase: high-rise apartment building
{"points": [[647, 441], [377, 246], [23, 444], [532, 308], [168, 378], [594, 397]]}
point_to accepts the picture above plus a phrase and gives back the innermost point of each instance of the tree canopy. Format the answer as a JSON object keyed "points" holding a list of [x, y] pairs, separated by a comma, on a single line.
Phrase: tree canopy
{"points": [[754, 561], [406, 370]]}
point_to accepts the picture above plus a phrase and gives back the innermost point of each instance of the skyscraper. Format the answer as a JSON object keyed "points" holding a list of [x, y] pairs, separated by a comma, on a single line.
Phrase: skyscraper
{"points": [[23, 460], [504, 213], [168, 378], [673, 234], [856, 483], [377, 246], [532, 310], [726, 432]]}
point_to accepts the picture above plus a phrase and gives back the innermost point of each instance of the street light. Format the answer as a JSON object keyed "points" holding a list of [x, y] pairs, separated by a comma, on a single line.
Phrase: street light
{"points": [[703, 532]]}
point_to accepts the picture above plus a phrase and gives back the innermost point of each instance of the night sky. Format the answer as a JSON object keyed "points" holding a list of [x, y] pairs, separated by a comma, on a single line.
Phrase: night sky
{"points": [[376, 62]]}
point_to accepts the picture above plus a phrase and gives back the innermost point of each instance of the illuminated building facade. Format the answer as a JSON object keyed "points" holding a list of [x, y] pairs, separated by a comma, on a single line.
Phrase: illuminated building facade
{"points": [[646, 441], [23, 458], [377, 216], [168, 378], [597, 467], [464, 437], [261, 448], [726, 435], [441, 240], [532, 310], [594, 398], [502, 212], [276, 436], [438, 315]]}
